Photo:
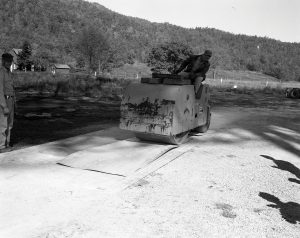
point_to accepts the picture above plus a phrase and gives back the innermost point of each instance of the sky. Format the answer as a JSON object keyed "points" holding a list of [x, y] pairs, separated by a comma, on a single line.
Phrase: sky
{"points": [[276, 19]]}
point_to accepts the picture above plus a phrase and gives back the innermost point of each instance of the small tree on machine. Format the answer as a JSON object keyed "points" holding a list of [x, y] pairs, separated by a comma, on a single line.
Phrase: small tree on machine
{"points": [[167, 56]]}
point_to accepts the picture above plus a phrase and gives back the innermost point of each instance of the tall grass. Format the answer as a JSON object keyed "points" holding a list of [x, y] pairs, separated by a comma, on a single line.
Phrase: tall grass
{"points": [[68, 84]]}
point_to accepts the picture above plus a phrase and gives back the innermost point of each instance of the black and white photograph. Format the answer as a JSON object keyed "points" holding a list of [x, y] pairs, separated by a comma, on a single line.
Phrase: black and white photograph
{"points": [[149, 119]]}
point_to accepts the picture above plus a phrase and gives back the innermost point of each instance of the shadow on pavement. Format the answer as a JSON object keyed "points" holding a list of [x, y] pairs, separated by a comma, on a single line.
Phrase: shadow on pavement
{"points": [[280, 128], [285, 166], [289, 211], [282, 131]]}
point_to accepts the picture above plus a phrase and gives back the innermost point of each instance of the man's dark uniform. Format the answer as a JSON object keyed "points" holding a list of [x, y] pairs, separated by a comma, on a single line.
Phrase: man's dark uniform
{"points": [[196, 65], [6, 101]]}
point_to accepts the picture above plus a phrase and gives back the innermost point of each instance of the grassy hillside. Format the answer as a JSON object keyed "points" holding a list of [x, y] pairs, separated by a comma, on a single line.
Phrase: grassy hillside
{"points": [[52, 27]]}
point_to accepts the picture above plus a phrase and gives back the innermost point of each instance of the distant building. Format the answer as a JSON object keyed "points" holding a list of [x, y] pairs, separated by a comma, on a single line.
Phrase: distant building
{"points": [[15, 53], [60, 69]]}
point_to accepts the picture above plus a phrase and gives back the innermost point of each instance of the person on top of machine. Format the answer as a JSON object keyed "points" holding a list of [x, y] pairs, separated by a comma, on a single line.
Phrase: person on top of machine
{"points": [[195, 66]]}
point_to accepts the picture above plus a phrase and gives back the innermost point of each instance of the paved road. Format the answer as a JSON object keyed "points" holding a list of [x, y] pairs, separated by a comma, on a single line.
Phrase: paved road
{"points": [[241, 179]]}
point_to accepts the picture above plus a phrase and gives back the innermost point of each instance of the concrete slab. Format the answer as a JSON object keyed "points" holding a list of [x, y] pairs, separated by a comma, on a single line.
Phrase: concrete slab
{"points": [[121, 158], [58, 150]]}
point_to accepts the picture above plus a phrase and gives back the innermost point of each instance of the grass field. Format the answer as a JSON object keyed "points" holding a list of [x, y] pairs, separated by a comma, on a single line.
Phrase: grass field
{"points": [[68, 85], [111, 85]]}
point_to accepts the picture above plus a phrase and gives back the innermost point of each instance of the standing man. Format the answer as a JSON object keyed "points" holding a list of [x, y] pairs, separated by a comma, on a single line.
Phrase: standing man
{"points": [[6, 102]]}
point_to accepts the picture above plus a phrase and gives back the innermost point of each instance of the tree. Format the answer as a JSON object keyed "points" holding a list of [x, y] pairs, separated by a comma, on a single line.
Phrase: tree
{"points": [[41, 59], [167, 56], [24, 60], [91, 44], [80, 63], [276, 71], [114, 57]]}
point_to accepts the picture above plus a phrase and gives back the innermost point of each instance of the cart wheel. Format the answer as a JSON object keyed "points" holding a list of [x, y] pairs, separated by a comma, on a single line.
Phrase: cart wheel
{"points": [[204, 128]]}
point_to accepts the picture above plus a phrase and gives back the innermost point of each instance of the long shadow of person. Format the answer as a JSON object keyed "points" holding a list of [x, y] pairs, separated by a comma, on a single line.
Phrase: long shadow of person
{"points": [[286, 166], [290, 211]]}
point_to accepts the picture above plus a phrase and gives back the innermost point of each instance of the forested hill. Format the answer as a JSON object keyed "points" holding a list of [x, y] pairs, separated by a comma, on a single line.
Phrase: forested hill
{"points": [[52, 27]]}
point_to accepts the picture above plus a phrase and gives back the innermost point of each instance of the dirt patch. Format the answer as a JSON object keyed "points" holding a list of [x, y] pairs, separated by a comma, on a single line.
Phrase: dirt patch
{"points": [[43, 118], [227, 210]]}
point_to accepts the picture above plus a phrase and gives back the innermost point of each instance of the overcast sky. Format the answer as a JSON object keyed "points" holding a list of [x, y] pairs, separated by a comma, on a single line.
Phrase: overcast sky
{"points": [[277, 19]]}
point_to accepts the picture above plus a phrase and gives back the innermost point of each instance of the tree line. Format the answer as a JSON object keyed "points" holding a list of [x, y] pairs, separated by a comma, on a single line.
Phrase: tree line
{"points": [[57, 29]]}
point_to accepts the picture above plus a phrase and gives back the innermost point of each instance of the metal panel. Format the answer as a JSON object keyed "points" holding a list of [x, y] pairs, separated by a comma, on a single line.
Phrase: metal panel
{"points": [[158, 109]]}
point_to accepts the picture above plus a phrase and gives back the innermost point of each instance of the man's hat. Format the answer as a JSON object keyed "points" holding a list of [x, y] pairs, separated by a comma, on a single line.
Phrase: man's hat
{"points": [[7, 57], [208, 53]]}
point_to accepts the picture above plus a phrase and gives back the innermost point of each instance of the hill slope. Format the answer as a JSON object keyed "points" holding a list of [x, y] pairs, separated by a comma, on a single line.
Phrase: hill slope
{"points": [[52, 26]]}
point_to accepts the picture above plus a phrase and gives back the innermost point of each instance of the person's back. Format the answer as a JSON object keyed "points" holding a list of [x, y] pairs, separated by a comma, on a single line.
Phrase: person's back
{"points": [[195, 68], [196, 65]]}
